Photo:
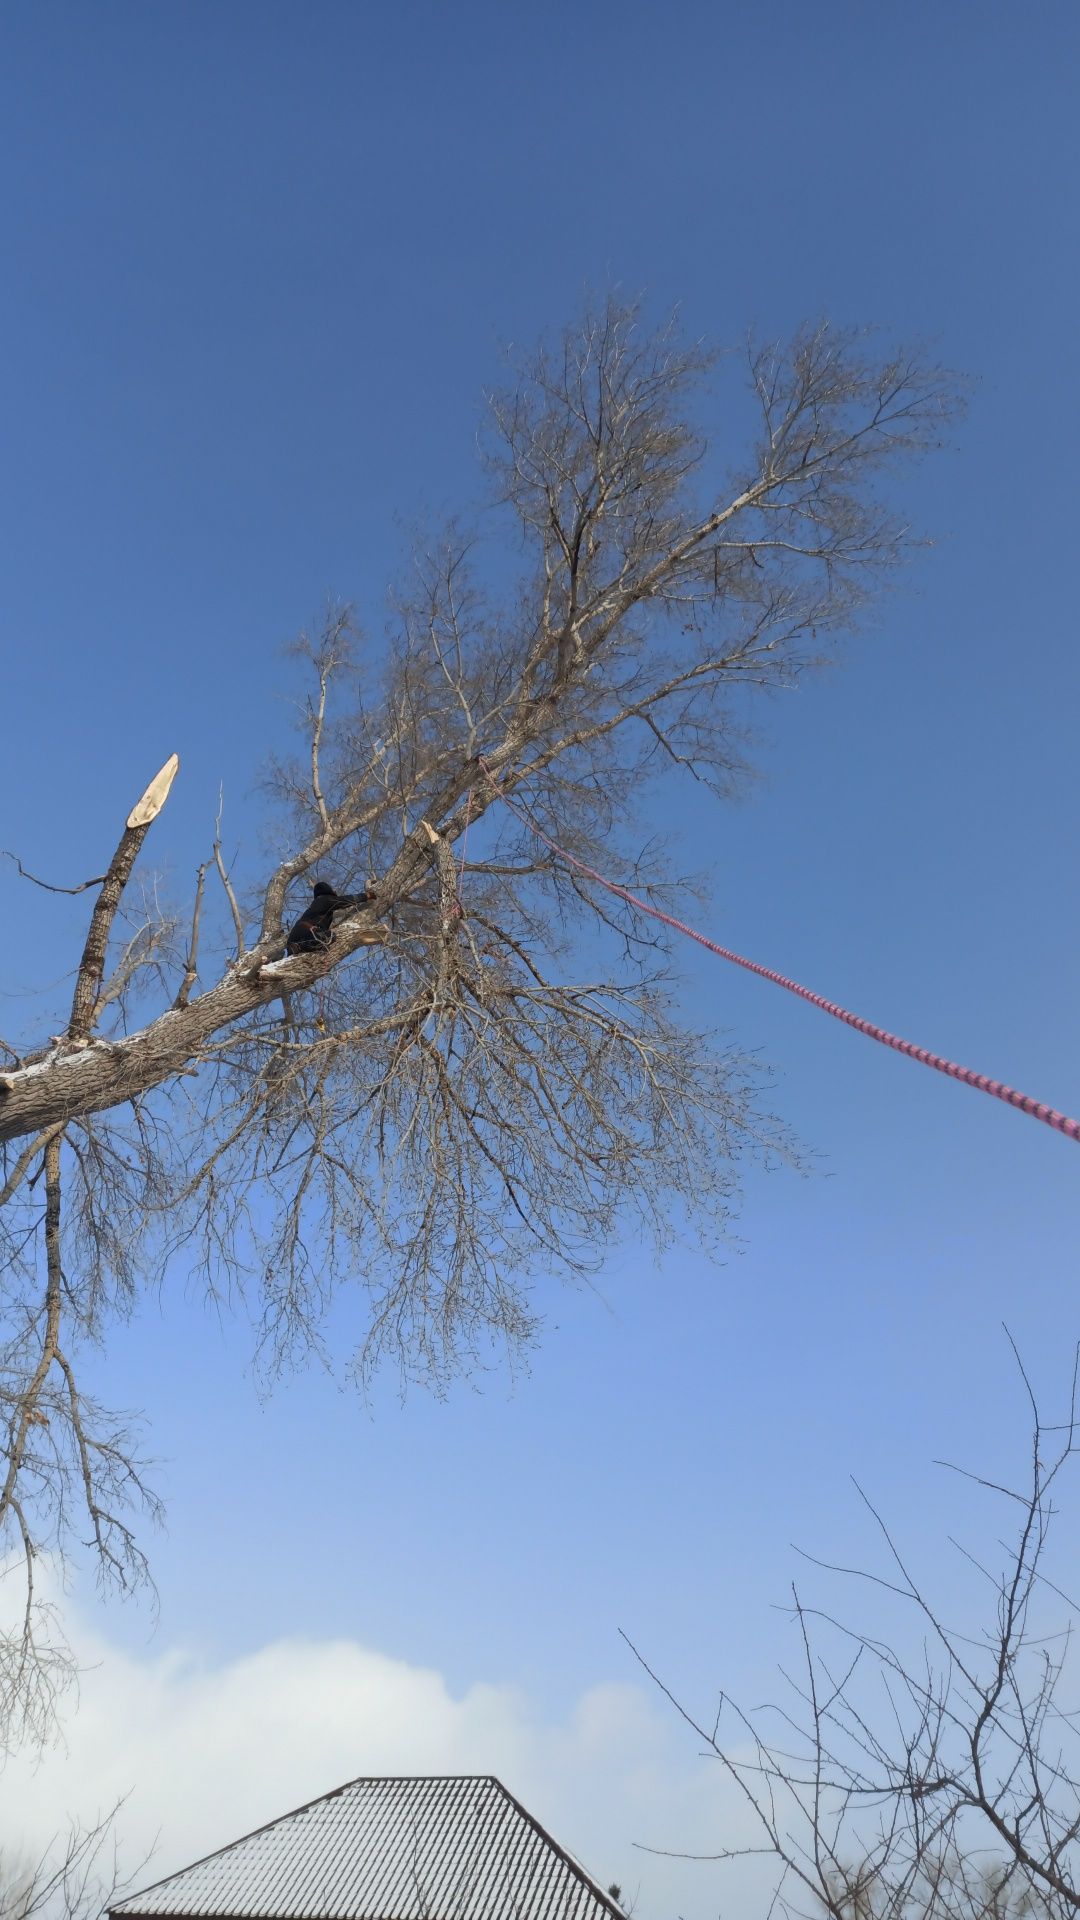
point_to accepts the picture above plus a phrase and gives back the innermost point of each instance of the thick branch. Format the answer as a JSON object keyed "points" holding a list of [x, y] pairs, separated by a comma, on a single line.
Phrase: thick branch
{"points": [[92, 964]]}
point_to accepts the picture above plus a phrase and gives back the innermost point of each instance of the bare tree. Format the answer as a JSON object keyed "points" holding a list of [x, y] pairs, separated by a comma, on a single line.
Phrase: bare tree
{"points": [[486, 1072], [931, 1774], [76, 1878]]}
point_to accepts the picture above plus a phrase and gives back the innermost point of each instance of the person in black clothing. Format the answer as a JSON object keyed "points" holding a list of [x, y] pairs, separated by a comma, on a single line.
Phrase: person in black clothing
{"points": [[314, 930]]}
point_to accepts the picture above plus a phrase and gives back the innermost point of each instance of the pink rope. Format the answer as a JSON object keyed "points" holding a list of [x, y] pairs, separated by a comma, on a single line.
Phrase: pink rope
{"points": [[1022, 1101]]}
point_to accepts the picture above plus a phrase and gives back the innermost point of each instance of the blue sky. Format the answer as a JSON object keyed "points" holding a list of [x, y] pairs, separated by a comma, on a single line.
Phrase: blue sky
{"points": [[258, 264]]}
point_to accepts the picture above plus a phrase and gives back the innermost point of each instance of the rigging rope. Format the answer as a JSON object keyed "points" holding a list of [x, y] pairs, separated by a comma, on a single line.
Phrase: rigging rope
{"points": [[1037, 1109]]}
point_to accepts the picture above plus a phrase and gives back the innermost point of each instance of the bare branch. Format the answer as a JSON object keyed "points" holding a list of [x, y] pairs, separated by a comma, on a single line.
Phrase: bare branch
{"points": [[96, 881], [930, 1779], [191, 964], [77, 1877], [219, 863]]}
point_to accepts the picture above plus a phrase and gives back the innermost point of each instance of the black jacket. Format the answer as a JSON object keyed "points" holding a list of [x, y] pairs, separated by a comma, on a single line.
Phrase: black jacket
{"points": [[314, 930]]}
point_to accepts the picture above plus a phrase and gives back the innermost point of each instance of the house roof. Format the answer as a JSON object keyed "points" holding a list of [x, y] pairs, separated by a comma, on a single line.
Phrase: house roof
{"points": [[457, 1848]]}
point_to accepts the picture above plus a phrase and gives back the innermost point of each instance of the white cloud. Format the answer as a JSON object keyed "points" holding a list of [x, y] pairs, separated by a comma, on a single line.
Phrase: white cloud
{"points": [[208, 1752]]}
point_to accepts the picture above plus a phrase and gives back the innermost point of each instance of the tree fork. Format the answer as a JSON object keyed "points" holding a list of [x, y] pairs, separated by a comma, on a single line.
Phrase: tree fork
{"points": [[94, 1075]]}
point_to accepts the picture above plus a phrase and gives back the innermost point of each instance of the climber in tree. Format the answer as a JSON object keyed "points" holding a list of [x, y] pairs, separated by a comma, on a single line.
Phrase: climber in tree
{"points": [[314, 930]]}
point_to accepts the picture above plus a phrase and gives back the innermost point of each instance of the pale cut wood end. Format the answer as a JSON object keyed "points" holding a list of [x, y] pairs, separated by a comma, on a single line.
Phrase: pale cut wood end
{"points": [[156, 794]]}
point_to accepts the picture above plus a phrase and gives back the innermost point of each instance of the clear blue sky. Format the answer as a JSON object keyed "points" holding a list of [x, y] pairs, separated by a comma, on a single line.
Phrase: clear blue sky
{"points": [[257, 263]]}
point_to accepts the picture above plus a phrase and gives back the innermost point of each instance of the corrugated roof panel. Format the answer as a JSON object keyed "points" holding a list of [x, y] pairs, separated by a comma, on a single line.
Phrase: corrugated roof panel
{"points": [[408, 1849]]}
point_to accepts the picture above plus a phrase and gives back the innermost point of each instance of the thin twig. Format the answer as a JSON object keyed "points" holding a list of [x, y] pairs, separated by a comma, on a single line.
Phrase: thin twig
{"points": [[191, 965], [97, 881], [316, 743], [223, 876]]}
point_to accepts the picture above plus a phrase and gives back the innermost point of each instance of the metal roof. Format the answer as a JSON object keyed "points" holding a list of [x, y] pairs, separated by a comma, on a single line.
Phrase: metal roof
{"points": [[457, 1848]]}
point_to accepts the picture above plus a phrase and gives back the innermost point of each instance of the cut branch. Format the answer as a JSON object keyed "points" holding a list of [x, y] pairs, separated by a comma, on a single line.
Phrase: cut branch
{"points": [[92, 964]]}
